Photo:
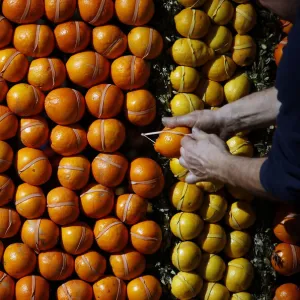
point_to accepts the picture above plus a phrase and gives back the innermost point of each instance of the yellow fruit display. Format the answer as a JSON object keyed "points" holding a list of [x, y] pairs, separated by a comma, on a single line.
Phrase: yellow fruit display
{"points": [[219, 38], [239, 193], [177, 169], [241, 296], [210, 92], [192, 3], [240, 216], [220, 11], [212, 267], [186, 226], [186, 285], [212, 238], [214, 291], [210, 186], [244, 18], [185, 103], [239, 275], [186, 256], [184, 79], [244, 50], [240, 146], [238, 244], [192, 23], [237, 87], [213, 208], [191, 53], [186, 197]]}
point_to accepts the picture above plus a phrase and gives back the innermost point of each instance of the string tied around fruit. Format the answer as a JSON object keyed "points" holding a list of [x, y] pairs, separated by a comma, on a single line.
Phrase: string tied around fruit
{"points": [[10, 222], [149, 296], [37, 235], [146, 135]]}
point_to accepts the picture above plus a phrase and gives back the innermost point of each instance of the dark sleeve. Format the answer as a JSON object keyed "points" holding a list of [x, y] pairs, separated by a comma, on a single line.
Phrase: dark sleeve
{"points": [[280, 174]]}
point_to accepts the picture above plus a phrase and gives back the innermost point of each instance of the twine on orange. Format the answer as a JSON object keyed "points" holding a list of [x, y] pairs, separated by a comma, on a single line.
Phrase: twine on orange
{"points": [[33, 286], [109, 161], [26, 11], [149, 46], [102, 100], [68, 167], [53, 73], [107, 228], [54, 205], [82, 238], [94, 191], [8, 62], [125, 263], [86, 261], [10, 221], [148, 293], [126, 207], [78, 102], [78, 138], [144, 238], [57, 8], [132, 71], [27, 166], [64, 264], [37, 34], [99, 12], [27, 198], [65, 289], [136, 11], [37, 235], [96, 67], [77, 41]]}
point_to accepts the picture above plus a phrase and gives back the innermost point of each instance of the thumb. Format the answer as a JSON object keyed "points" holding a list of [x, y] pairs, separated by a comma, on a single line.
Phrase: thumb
{"points": [[192, 178], [188, 120]]}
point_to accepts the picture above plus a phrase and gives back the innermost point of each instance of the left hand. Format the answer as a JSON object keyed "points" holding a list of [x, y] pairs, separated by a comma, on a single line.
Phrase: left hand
{"points": [[203, 155]]}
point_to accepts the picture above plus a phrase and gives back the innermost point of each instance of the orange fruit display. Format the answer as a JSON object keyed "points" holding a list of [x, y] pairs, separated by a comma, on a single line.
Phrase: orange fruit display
{"points": [[96, 12], [97, 201], [58, 11], [6, 32], [32, 285], [279, 50], [127, 264], [130, 72], [131, 208], [90, 266], [25, 100], [146, 177], [68, 140], [65, 106], [33, 166], [109, 41], [134, 13], [40, 234], [18, 260], [106, 135], [144, 288], [7, 287], [286, 26], [9, 222], [3, 88], [34, 40], [87, 68], [140, 107], [8, 123], [110, 234], [146, 237], [72, 37], [104, 101], [110, 288], [77, 289], [30, 201], [34, 131], [145, 42], [109, 169], [62, 206], [287, 291], [46, 73], [55, 265], [76, 238], [20, 12], [7, 189]]}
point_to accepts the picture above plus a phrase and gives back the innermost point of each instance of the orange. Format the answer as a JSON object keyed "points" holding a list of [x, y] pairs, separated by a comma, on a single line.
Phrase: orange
{"points": [[6, 32], [68, 140], [146, 177], [76, 238], [145, 42], [127, 264], [72, 37], [144, 288], [32, 287], [109, 41], [88, 68], [111, 235], [279, 50], [168, 143], [25, 100], [19, 260], [13, 65], [97, 201], [133, 12], [109, 169], [74, 289], [34, 40], [34, 131], [55, 265], [96, 12], [62, 206], [7, 188], [73, 172], [58, 11], [131, 208], [8, 123], [110, 288], [106, 135], [286, 26], [3, 88], [104, 101], [7, 287], [146, 237], [140, 107], [30, 201], [46, 73], [40, 234], [33, 166], [90, 266], [130, 72], [6, 156], [20, 12], [9, 222]]}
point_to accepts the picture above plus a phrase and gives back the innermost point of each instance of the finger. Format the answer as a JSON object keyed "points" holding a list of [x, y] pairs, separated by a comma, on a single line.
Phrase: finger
{"points": [[183, 162], [188, 120], [192, 178], [187, 141], [198, 134]]}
